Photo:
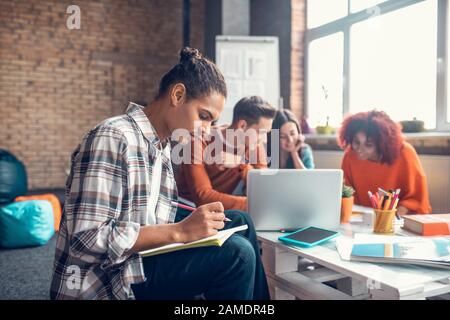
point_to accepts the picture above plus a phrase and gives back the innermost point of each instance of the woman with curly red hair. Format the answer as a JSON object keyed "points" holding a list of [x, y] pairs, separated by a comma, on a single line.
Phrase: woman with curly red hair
{"points": [[376, 156]]}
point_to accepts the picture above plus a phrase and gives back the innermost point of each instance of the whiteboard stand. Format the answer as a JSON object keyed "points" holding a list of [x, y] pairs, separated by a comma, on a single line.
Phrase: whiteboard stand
{"points": [[251, 66]]}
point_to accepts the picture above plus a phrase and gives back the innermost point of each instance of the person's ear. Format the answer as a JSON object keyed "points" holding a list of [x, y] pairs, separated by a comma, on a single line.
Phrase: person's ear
{"points": [[242, 124], [178, 95]]}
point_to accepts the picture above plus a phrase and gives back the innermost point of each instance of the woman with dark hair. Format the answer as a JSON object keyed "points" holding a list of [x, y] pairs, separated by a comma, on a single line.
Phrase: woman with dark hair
{"points": [[121, 199], [294, 153], [376, 156]]}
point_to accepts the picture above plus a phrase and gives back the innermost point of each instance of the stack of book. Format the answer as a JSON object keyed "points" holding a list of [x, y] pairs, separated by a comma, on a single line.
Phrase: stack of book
{"points": [[428, 224]]}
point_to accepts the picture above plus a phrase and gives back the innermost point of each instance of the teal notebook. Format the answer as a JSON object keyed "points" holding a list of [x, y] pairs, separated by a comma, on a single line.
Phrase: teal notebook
{"points": [[430, 252]]}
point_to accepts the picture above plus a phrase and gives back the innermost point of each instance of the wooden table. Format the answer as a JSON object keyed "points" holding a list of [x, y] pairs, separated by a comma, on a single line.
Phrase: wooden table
{"points": [[301, 273]]}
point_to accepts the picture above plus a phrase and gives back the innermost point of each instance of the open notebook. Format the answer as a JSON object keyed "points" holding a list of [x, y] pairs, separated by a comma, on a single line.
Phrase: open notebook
{"points": [[216, 240]]}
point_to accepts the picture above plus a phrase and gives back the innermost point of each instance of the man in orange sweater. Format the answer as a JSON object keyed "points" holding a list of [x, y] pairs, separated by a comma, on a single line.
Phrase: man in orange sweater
{"points": [[207, 180]]}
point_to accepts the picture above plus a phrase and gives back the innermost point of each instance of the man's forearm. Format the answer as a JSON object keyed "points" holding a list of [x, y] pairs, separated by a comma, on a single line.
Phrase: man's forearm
{"points": [[153, 236]]}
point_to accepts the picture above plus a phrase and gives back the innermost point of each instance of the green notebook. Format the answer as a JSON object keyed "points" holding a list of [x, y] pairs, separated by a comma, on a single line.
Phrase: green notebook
{"points": [[216, 240]]}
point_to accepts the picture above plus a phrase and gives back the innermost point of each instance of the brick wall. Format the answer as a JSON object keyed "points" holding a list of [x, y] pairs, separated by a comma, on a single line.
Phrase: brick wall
{"points": [[56, 83]]}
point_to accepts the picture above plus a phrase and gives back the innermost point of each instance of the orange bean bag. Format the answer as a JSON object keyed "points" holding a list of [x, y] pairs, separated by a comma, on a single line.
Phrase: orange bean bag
{"points": [[52, 199]]}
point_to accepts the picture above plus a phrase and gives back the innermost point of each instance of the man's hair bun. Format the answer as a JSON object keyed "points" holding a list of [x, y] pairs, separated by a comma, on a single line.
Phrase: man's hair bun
{"points": [[199, 75], [189, 54]]}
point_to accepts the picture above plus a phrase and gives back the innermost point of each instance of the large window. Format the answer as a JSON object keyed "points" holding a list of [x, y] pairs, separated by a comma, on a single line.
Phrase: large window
{"points": [[317, 16], [325, 89], [393, 63], [387, 55]]}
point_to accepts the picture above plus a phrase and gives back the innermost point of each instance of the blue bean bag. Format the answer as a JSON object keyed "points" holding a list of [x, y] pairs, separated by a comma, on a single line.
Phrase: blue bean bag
{"points": [[13, 177], [26, 223]]}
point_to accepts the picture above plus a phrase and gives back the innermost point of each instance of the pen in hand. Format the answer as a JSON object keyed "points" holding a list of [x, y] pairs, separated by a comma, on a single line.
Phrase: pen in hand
{"points": [[189, 208]]}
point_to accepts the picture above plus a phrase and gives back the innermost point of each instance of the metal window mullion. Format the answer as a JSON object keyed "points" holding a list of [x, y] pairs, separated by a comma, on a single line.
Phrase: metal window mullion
{"points": [[306, 111], [346, 72], [441, 68]]}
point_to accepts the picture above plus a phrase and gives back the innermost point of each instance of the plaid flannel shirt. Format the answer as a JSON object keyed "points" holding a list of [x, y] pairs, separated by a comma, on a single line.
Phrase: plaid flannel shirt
{"points": [[108, 198]]}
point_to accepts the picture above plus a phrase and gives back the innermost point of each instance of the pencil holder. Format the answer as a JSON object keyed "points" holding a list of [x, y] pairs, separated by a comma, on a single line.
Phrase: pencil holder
{"points": [[384, 221]]}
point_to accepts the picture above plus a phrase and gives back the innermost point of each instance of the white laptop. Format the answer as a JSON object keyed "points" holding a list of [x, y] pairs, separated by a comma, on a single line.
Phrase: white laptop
{"points": [[288, 199]]}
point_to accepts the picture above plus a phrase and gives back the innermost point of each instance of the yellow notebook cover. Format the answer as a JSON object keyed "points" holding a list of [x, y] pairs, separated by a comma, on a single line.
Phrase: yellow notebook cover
{"points": [[216, 240]]}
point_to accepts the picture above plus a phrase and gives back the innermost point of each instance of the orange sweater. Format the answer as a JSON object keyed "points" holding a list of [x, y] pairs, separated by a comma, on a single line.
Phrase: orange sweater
{"points": [[405, 173], [206, 183]]}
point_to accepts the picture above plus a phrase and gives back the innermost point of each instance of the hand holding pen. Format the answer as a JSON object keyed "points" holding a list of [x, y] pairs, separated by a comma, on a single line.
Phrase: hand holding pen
{"points": [[189, 208], [203, 222]]}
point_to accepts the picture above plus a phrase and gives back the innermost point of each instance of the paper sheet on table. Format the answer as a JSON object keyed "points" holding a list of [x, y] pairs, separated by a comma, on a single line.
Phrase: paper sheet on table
{"points": [[344, 245], [376, 238], [361, 209]]}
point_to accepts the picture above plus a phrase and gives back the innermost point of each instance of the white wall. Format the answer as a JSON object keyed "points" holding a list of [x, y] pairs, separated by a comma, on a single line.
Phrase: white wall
{"points": [[437, 169]]}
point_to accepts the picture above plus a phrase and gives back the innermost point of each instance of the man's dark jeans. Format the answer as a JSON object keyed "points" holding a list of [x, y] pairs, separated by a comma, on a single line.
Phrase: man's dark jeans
{"points": [[233, 271]]}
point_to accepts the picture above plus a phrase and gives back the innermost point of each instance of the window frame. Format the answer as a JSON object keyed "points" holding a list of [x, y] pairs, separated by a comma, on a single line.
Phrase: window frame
{"points": [[344, 25]]}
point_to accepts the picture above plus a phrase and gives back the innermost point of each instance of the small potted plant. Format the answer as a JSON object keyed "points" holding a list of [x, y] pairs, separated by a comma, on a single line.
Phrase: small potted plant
{"points": [[326, 129], [412, 125], [347, 203]]}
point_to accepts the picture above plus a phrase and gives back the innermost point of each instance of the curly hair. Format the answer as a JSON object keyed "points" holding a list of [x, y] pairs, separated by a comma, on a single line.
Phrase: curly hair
{"points": [[384, 132]]}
